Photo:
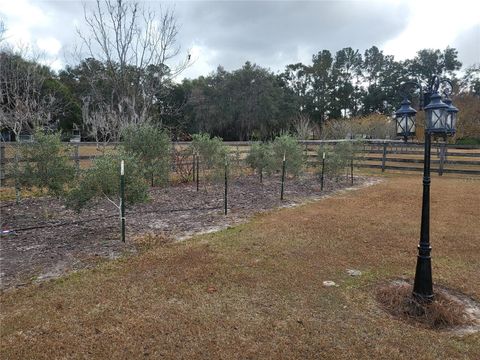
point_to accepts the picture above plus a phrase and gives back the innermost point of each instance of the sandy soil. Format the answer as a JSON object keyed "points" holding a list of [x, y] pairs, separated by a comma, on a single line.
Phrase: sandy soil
{"points": [[64, 240]]}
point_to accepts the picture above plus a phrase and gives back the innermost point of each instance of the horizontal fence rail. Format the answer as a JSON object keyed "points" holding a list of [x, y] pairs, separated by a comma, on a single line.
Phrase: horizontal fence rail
{"points": [[378, 154]]}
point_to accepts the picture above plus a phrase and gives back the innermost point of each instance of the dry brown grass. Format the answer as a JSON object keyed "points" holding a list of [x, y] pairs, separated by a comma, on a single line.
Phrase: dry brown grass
{"points": [[8, 193], [149, 240], [255, 291], [442, 313]]}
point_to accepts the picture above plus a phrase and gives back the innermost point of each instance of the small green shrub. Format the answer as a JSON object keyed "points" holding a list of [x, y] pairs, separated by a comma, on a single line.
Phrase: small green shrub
{"points": [[103, 180], [468, 141], [286, 145], [212, 153], [259, 157], [337, 157], [152, 147], [46, 164]]}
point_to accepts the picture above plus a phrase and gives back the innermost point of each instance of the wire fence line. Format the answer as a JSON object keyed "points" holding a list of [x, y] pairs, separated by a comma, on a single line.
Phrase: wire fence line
{"points": [[451, 158], [82, 221]]}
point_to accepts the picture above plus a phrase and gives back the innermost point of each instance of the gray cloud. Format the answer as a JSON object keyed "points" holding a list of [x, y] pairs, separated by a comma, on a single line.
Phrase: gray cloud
{"points": [[274, 34], [269, 33], [468, 45]]}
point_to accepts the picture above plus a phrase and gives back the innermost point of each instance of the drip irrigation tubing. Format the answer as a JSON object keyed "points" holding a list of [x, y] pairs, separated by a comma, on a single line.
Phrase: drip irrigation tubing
{"points": [[42, 226]]}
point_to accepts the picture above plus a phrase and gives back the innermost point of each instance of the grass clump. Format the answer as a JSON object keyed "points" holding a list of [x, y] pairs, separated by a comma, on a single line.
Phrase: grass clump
{"points": [[443, 312]]}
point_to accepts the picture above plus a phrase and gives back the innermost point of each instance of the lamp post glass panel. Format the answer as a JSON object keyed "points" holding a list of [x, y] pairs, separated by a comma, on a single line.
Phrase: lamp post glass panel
{"points": [[451, 120], [405, 119], [436, 113], [440, 120]]}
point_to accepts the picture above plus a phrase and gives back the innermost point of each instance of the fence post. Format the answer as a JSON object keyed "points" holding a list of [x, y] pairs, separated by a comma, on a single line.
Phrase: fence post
{"points": [[77, 158], [351, 167], [2, 162], [193, 167], [384, 157], [442, 160], [17, 184], [323, 170], [238, 158], [225, 199], [283, 177], [122, 199], [197, 178]]}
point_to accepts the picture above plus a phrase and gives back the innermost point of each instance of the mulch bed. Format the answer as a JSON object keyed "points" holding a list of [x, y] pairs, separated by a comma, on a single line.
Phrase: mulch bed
{"points": [[53, 247]]}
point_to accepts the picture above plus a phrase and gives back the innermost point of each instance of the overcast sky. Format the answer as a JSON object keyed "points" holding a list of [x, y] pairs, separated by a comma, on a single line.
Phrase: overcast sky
{"points": [[270, 33]]}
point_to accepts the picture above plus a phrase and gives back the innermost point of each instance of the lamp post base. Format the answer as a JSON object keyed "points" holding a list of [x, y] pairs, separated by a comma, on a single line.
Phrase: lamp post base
{"points": [[422, 287]]}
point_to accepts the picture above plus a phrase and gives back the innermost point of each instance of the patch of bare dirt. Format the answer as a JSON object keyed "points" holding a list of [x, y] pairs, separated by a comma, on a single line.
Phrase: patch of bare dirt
{"points": [[48, 248]]}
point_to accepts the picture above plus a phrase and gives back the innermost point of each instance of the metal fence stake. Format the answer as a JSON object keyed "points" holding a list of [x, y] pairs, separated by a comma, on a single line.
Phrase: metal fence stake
{"points": [[225, 199], [198, 173], [122, 199], [283, 177], [323, 170], [77, 158], [193, 167], [351, 168]]}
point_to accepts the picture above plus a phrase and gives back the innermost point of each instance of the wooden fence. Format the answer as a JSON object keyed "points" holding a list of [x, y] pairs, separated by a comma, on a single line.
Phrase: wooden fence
{"points": [[407, 157], [383, 155], [445, 158]]}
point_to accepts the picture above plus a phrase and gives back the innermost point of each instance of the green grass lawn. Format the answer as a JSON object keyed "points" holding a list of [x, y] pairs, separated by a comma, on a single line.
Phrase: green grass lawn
{"points": [[255, 291]]}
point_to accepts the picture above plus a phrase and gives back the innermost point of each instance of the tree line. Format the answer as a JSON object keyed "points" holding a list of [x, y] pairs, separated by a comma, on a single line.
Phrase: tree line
{"points": [[128, 76]]}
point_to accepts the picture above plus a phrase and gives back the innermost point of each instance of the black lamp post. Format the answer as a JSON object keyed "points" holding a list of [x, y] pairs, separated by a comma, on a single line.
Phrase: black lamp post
{"points": [[440, 121]]}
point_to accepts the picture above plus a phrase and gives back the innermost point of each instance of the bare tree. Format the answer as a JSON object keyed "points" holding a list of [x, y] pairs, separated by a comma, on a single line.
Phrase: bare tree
{"points": [[303, 126], [3, 30], [470, 81], [23, 105], [136, 45]]}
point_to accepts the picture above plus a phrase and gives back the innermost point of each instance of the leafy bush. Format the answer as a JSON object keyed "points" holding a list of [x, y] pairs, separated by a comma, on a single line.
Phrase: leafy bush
{"points": [[152, 147], [259, 157], [103, 179], [337, 157], [46, 164], [286, 145], [468, 141], [212, 154], [212, 151]]}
